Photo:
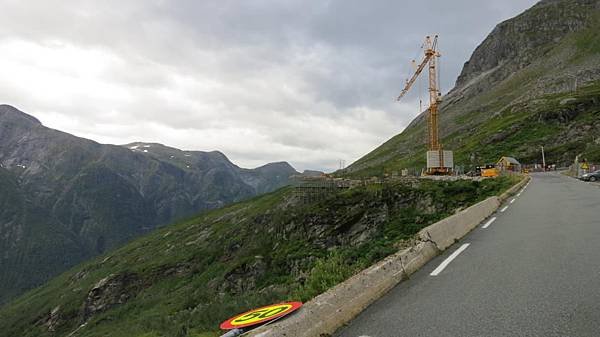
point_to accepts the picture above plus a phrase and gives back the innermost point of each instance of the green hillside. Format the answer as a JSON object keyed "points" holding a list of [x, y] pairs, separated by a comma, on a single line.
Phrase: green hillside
{"points": [[515, 94], [67, 199], [184, 279], [566, 124]]}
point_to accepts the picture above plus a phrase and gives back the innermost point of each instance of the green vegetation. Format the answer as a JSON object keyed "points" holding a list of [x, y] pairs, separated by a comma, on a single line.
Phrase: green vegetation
{"points": [[557, 121], [563, 123], [588, 42], [186, 278]]}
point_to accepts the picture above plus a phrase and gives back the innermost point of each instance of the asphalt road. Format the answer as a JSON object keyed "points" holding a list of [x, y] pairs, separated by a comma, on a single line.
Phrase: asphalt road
{"points": [[534, 271]]}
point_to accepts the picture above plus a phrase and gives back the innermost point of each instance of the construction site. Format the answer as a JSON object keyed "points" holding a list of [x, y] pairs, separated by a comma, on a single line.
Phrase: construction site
{"points": [[440, 161]]}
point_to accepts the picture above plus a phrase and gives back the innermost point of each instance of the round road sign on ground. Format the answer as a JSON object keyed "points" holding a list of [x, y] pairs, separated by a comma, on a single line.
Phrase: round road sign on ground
{"points": [[260, 315]]}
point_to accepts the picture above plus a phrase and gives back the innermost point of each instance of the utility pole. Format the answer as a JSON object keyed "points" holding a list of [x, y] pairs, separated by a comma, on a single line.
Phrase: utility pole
{"points": [[543, 158]]}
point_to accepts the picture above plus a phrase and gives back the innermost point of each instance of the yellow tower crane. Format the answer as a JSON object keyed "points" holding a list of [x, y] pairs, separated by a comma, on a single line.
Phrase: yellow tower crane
{"points": [[439, 162]]}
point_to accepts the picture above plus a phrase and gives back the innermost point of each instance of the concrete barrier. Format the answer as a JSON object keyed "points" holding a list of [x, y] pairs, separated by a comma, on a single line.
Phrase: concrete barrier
{"points": [[447, 231], [326, 313]]}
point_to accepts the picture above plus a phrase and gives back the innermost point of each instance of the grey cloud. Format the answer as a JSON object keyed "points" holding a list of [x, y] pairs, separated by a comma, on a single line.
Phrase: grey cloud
{"points": [[264, 80]]}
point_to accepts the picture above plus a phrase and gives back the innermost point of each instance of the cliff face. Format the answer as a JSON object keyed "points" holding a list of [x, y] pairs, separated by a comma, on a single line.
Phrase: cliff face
{"points": [[65, 199], [524, 69], [524, 40], [518, 42]]}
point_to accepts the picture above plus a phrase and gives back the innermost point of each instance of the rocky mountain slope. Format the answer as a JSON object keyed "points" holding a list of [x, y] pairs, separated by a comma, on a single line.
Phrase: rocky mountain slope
{"points": [[64, 199], [184, 279], [533, 81]]}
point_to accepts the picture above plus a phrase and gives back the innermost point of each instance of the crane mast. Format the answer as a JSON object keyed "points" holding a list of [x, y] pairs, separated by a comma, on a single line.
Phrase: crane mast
{"points": [[435, 156]]}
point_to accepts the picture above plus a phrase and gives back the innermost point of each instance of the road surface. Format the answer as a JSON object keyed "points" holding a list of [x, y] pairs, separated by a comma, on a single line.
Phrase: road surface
{"points": [[533, 271]]}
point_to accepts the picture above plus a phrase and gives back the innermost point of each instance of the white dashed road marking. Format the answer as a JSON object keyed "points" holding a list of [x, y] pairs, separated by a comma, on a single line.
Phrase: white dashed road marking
{"points": [[487, 224], [504, 209], [447, 261]]}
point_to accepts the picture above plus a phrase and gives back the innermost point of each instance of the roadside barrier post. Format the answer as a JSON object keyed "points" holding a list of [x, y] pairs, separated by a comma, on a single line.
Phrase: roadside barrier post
{"points": [[233, 333]]}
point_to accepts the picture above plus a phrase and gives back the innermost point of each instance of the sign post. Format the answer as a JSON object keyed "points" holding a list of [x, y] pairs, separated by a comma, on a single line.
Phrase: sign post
{"points": [[585, 168]]}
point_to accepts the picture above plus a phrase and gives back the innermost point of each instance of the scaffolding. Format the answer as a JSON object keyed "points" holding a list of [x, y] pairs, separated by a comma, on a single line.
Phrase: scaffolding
{"points": [[311, 189]]}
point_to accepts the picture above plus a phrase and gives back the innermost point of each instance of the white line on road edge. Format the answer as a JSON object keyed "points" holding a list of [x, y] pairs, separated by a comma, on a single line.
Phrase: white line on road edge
{"points": [[518, 195], [504, 209], [512, 201], [487, 224], [447, 261]]}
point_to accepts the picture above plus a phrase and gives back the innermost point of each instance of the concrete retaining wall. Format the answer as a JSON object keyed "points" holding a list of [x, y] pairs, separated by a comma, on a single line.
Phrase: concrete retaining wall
{"points": [[327, 312], [447, 231]]}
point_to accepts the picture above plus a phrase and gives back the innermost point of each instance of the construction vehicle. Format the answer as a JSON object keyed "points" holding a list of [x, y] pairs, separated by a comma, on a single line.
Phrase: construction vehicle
{"points": [[490, 171], [439, 162]]}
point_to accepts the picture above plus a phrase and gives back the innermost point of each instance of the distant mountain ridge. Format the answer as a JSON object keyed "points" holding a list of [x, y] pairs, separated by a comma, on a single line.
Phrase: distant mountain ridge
{"points": [[64, 199]]}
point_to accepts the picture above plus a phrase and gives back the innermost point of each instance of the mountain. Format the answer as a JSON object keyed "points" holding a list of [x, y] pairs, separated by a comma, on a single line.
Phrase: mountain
{"points": [[515, 94], [65, 199], [262, 179]]}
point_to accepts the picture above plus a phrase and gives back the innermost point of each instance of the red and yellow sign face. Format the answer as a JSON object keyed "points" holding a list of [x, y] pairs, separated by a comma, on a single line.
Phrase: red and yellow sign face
{"points": [[260, 315]]}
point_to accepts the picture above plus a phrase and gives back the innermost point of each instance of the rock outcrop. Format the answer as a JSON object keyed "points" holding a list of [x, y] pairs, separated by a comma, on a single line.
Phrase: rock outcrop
{"points": [[109, 292]]}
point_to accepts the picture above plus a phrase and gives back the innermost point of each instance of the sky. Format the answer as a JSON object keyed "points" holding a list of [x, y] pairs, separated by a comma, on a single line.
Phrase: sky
{"points": [[308, 82]]}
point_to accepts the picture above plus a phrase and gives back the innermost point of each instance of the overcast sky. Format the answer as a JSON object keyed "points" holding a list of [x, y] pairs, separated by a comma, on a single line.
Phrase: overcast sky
{"points": [[308, 82]]}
